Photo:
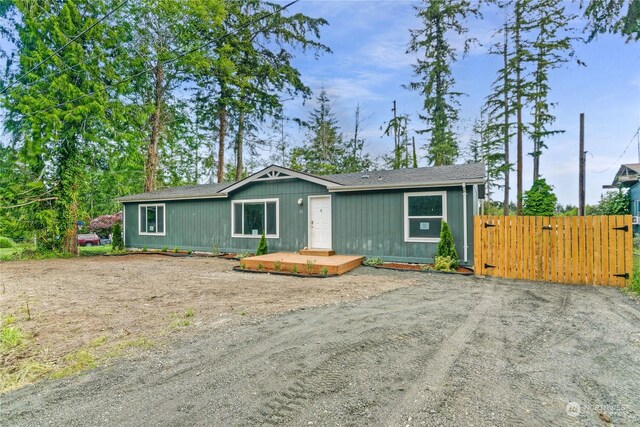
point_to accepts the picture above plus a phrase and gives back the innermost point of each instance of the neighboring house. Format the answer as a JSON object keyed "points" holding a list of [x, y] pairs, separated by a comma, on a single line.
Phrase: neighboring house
{"points": [[628, 176], [393, 214]]}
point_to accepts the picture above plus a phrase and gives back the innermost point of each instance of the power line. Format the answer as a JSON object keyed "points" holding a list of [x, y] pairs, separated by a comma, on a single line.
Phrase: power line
{"points": [[168, 61], [60, 49], [623, 153]]}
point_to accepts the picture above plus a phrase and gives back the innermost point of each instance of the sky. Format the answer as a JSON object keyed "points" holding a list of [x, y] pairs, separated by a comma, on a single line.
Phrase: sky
{"points": [[369, 66]]}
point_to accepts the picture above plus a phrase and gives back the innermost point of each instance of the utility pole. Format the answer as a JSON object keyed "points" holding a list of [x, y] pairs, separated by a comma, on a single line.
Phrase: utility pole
{"points": [[396, 136], [582, 169]]}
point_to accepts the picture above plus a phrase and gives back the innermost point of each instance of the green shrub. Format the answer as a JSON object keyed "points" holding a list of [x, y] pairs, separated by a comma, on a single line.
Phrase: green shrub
{"points": [[446, 247], [6, 242], [215, 249], [176, 250], [309, 265], [294, 269], [324, 271], [277, 266], [445, 263], [165, 249], [117, 244], [260, 267], [144, 249], [243, 266], [262, 246], [242, 255], [373, 261]]}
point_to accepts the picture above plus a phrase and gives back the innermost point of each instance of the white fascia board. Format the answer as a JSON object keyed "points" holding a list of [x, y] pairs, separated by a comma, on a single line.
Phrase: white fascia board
{"points": [[290, 172]]}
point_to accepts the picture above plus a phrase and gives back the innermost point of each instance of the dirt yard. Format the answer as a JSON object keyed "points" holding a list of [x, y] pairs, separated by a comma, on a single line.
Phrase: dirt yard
{"points": [[440, 350], [103, 304]]}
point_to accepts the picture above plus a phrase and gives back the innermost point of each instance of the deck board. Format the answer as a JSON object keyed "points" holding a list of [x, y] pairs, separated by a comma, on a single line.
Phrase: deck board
{"points": [[335, 264]]}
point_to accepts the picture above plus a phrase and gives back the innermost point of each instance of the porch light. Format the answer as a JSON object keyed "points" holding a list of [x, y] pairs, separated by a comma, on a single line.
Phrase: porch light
{"points": [[300, 201]]}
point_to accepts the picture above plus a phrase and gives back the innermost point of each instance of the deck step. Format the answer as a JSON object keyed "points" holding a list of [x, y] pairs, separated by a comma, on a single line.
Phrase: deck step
{"points": [[317, 252]]}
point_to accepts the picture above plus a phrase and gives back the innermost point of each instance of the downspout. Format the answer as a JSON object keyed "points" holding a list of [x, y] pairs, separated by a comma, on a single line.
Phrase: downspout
{"points": [[464, 223], [124, 227]]}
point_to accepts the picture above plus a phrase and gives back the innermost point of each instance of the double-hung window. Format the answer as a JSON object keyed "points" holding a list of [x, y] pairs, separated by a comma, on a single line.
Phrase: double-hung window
{"points": [[151, 219], [423, 216], [251, 218]]}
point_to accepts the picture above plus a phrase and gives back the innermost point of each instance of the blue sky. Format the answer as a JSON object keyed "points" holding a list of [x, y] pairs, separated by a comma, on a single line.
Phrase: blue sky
{"points": [[369, 66]]}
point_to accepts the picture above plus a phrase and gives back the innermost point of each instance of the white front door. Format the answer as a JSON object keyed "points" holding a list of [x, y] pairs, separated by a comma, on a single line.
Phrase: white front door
{"points": [[320, 222]]}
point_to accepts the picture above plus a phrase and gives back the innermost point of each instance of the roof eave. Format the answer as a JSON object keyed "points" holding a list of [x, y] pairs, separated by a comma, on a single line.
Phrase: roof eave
{"points": [[403, 186], [161, 199]]}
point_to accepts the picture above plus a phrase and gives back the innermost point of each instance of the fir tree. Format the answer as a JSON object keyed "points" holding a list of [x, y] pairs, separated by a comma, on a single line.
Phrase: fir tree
{"points": [[440, 19], [262, 246]]}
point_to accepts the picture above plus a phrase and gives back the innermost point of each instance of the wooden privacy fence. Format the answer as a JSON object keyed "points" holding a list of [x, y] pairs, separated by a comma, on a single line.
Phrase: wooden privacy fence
{"points": [[594, 250]]}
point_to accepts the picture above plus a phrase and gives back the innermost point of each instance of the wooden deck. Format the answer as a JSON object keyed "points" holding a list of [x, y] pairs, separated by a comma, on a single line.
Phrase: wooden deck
{"points": [[335, 264]]}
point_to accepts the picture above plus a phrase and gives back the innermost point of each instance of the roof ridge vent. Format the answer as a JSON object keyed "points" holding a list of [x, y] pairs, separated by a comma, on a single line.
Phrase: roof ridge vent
{"points": [[365, 176]]}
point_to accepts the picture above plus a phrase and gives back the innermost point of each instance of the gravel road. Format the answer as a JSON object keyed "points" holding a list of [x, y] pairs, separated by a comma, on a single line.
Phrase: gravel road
{"points": [[451, 351]]}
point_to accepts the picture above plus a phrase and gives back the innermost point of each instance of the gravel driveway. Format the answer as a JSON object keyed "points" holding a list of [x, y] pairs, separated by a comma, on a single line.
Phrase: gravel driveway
{"points": [[450, 351]]}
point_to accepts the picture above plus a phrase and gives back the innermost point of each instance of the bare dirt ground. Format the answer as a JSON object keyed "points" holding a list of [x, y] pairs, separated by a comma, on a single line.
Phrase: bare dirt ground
{"points": [[448, 350], [117, 300]]}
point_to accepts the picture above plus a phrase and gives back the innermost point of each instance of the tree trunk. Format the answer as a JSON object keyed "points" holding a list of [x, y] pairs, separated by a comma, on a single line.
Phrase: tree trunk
{"points": [[415, 156], [507, 171], [222, 133], [240, 146], [518, 54], [151, 167]]}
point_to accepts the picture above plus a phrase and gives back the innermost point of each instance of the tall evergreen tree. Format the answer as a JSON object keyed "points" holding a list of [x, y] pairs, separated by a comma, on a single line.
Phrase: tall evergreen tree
{"points": [[613, 16], [59, 109], [551, 48], [246, 71], [498, 109], [398, 127], [440, 20], [325, 148]]}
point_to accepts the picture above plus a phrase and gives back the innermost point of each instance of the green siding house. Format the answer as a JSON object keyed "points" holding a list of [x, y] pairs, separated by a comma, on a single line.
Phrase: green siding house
{"points": [[628, 176], [393, 214]]}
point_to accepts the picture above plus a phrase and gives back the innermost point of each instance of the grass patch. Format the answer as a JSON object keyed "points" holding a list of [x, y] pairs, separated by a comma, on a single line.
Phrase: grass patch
{"points": [[26, 372], [7, 254], [94, 250], [11, 337], [634, 283], [75, 362], [28, 251], [180, 323], [189, 312], [6, 242], [97, 342]]}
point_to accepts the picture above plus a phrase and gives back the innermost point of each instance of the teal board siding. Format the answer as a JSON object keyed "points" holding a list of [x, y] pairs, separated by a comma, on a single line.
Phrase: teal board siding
{"points": [[634, 195], [199, 224], [372, 223], [366, 223]]}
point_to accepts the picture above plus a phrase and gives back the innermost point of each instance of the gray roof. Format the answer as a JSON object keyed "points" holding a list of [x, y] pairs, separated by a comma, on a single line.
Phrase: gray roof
{"points": [[627, 176], [192, 191], [436, 174], [428, 176]]}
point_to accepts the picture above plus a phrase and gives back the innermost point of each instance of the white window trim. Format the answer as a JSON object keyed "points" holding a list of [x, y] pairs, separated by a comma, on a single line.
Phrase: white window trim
{"points": [[406, 215], [164, 219], [257, 236]]}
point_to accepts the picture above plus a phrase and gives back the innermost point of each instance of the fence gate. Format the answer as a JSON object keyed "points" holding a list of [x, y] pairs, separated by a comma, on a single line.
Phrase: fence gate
{"points": [[594, 250]]}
